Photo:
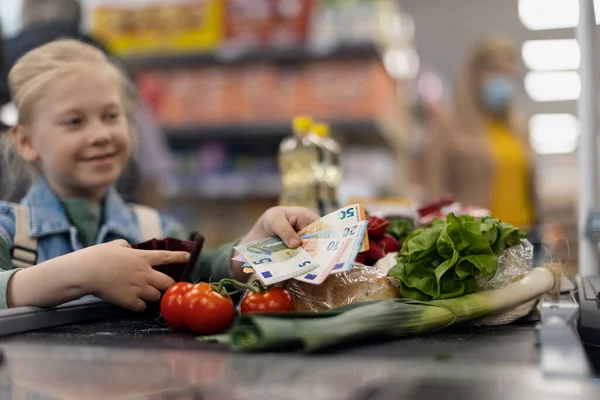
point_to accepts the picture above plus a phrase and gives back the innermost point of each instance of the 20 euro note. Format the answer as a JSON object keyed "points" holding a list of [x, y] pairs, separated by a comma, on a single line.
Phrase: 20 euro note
{"points": [[274, 262], [334, 250]]}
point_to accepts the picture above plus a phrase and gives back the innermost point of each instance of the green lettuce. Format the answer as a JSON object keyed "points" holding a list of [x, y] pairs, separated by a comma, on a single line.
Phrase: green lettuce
{"points": [[400, 229], [440, 262]]}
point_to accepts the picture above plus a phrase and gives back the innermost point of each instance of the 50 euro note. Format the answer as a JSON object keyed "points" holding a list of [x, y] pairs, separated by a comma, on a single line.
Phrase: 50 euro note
{"points": [[274, 262], [345, 216], [334, 250]]}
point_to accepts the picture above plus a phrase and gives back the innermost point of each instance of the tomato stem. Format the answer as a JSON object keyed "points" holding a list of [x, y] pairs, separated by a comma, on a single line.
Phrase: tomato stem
{"points": [[255, 286]]}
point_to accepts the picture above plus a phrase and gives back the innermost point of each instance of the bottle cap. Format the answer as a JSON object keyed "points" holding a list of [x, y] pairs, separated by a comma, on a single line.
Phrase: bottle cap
{"points": [[302, 124], [321, 129]]}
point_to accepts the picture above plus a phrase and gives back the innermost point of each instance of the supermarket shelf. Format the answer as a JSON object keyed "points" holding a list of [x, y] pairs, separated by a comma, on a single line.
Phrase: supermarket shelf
{"points": [[222, 57], [198, 196], [232, 186], [190, 135]]}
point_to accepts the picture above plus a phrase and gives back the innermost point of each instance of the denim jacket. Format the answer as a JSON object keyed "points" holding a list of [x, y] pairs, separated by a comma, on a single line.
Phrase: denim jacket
{"points": [[56, 236]]}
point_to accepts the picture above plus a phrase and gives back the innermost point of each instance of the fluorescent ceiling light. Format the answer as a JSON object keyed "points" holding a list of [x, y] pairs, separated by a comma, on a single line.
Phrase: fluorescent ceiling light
{"points": [[9, 115], [553, 133], [553, 86], [401, 63], [551, 14], [551, 55]]}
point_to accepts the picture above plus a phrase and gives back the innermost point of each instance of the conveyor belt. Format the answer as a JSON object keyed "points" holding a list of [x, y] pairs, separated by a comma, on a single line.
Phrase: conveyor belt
{"points": [[503, 344]]}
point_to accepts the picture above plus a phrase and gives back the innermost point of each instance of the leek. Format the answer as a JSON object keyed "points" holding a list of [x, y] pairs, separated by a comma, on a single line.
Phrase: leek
{"points": [[381, 319]]}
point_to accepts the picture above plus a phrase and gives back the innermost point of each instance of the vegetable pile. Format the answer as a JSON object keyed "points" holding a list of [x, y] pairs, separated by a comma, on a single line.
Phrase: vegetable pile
{"points": [[207, 308], [385, 237], [440, 262]]}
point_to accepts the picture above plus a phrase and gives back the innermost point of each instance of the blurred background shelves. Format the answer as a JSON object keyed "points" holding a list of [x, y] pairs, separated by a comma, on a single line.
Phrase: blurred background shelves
{"points": [[296, 54], [353, 131]]}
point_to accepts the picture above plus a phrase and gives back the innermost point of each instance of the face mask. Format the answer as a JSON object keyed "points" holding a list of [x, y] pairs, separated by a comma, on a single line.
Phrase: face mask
{"points": [[497, 92]]}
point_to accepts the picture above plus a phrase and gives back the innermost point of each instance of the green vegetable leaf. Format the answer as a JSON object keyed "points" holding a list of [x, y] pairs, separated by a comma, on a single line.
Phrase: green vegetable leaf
{"points": [[400, 229], [509, 236], [466, 241], [445, 245], [441, 261], [422, 245], [485, 264], [450, 287], [442, 270], [411, 293]]}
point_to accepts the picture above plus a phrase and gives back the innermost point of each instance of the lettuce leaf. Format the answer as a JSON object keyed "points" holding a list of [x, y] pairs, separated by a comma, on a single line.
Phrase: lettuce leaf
{"points": [[441, 261]]}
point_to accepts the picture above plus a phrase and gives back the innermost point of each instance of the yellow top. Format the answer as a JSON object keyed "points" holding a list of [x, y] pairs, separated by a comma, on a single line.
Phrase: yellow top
{"points": [[321, 129], [302, 125], [511, 197]]}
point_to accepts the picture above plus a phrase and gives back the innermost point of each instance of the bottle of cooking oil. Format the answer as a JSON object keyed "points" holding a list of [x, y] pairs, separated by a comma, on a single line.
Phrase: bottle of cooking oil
{"points": [[300, 161], [331, 168]]}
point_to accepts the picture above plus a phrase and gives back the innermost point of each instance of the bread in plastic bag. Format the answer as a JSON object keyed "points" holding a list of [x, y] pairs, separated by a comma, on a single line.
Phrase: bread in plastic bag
{"points": [[361, 283], [513, 264]]}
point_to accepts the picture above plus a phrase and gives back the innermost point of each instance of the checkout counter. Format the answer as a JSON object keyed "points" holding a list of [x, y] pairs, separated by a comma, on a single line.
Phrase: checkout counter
{"points": [[88, 349]]}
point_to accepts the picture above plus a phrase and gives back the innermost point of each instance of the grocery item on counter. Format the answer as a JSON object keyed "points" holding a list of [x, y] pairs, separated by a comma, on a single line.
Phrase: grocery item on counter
{"points": [[361, 283], [300, 158], [441, 209], [514, 263], [203, 308], [441, 261], [271, 300], [376, 320], [385, 237]]}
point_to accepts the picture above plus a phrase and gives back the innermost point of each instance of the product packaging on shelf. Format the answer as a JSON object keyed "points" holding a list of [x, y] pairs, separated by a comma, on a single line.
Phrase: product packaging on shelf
{"points": [[158, 26], [252, 24]]}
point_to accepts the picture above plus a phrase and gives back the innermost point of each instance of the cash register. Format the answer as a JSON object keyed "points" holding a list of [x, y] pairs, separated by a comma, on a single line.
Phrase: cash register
{"points": [[588, 296]]}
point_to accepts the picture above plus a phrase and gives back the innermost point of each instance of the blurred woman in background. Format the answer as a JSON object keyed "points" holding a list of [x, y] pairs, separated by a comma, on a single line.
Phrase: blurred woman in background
{"points": [[480, 154]]}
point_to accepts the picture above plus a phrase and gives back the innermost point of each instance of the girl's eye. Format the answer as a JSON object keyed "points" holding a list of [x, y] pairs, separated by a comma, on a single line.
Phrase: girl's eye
{"points": [[112, 116], [73, 121]]}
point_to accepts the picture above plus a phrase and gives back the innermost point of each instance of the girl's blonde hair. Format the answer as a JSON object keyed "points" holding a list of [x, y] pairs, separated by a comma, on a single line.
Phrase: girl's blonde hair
{"points": [[31, 76], [485, 54]]}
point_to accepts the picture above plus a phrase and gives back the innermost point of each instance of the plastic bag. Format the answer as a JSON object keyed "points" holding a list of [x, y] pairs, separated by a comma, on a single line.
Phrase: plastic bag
{"points": [[514, 263], [361, 283]]}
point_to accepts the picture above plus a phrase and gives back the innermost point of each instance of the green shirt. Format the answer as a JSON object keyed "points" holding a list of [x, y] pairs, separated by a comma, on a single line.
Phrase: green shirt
{"points": [[86, 217]]}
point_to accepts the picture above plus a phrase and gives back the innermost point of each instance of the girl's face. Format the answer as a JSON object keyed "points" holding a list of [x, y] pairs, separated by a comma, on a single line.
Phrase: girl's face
{"points": [[79, 135]]}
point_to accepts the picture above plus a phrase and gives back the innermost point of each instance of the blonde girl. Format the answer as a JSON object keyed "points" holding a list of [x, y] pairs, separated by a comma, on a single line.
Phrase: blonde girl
{"points": [[70, 236]]}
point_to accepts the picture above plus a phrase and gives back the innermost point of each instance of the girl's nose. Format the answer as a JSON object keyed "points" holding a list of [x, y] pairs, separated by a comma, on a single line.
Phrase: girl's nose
{"points": [[101, 135]]}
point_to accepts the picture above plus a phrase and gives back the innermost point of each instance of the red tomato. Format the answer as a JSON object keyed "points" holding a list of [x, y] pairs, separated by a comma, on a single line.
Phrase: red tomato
{"points": [[205, 311], [170, 305], [274, 300]]}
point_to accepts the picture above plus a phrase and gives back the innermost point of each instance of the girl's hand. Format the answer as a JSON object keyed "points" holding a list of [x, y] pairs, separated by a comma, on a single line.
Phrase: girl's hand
{"points": [[283, 222], [124, 276], [280, 221]]}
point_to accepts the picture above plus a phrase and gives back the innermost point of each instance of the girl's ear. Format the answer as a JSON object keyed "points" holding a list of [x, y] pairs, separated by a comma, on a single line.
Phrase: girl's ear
{"points": [[22, 144]]}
